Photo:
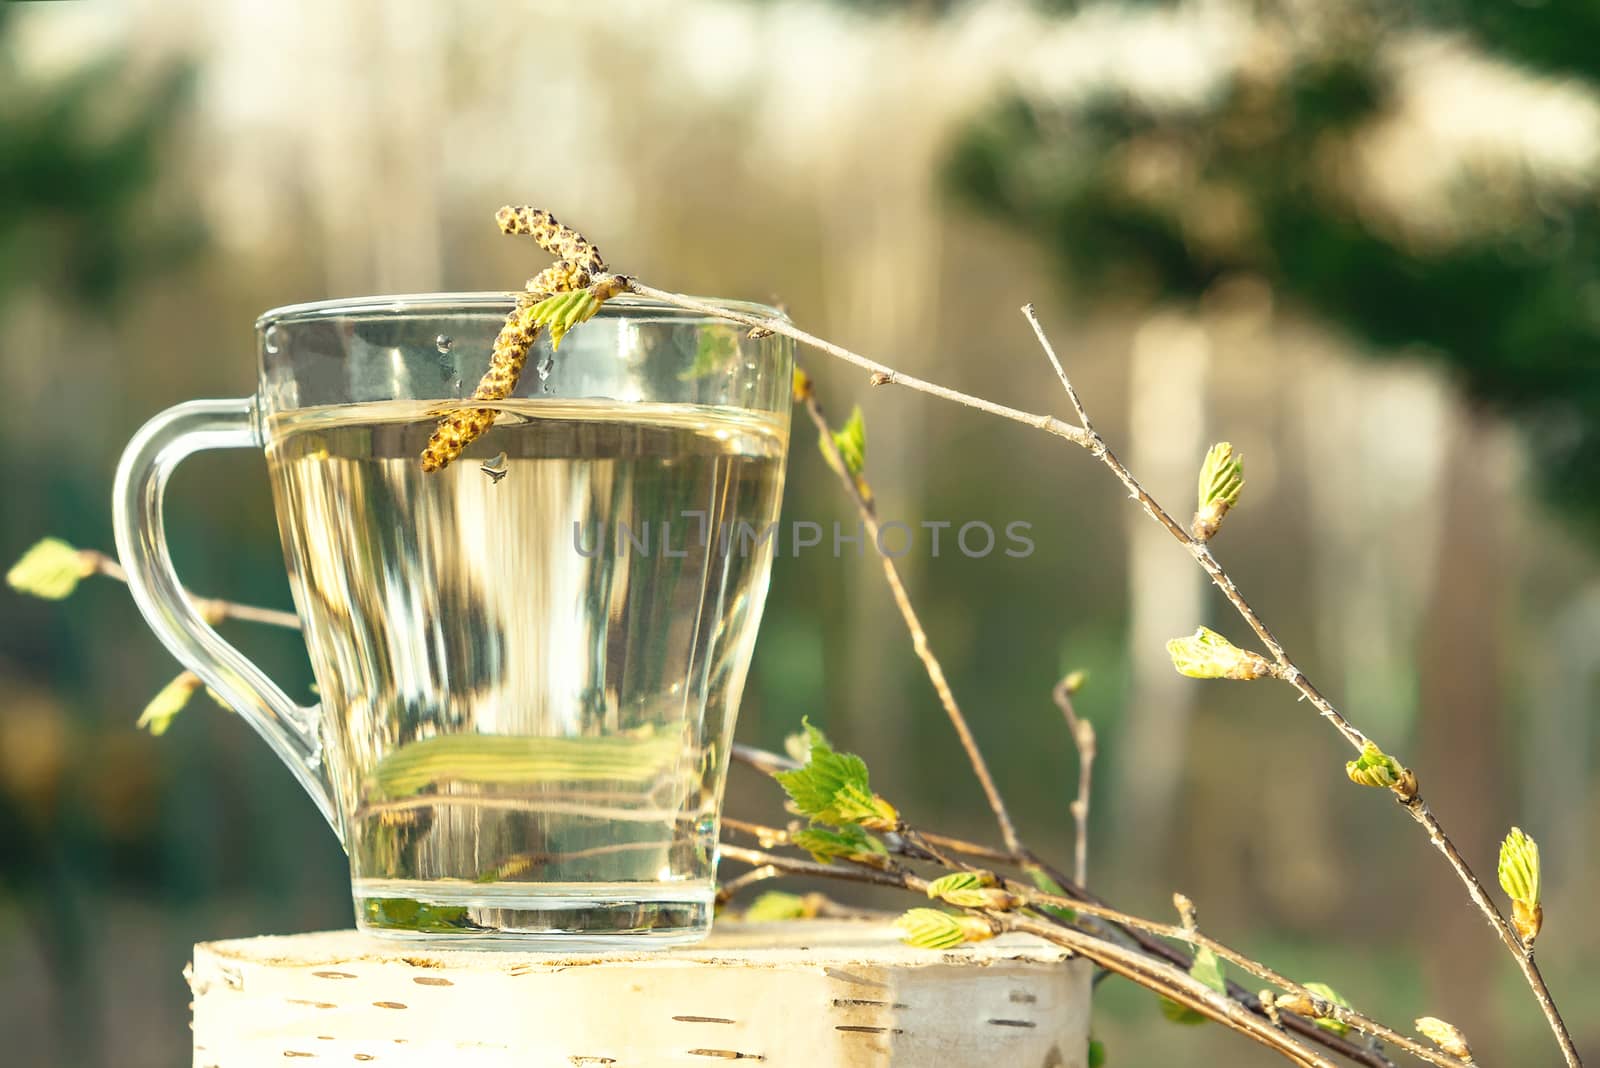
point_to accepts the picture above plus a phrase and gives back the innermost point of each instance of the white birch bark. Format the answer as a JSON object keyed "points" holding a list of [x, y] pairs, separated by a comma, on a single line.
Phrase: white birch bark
{"points": [[818, 994]]}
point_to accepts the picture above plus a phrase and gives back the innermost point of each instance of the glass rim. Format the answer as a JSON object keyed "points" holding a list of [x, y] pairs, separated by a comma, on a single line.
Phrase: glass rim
{"points": [[622, 306]]}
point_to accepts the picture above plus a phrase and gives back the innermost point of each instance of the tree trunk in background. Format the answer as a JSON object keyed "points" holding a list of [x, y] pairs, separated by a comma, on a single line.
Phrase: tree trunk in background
{"points": [[1555, 717], [1459, 758], [884, 242], [1169, 369]]}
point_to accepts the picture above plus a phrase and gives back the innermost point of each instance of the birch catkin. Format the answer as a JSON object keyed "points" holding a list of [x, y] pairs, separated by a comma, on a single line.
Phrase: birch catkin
{"points": [[580, 260]]}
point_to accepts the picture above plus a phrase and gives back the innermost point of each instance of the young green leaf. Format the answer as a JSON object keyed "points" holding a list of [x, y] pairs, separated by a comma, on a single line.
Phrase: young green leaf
{"points": [[933, 929], [1376, 768], [973, 890], [959, 880], [1446, 1036], [563, 311], [774, 905], [1519, 878], [1205, 654], [849, 842], [166, 704], [50, 569], [851, 441], [1097, 1053], [1221, 480], [1206, 968], [1329, 994], [833, 788]]}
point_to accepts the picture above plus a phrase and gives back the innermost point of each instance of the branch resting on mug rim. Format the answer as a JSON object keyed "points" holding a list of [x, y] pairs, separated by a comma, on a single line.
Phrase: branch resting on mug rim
{"points": [[1403, 783]]}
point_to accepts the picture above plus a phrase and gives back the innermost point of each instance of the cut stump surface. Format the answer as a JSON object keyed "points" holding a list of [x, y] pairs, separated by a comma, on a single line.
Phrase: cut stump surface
{"points": [[802, 994]]}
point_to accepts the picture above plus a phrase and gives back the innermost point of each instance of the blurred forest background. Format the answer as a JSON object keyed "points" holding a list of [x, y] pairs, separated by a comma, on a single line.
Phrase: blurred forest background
{"points": [[1359, 240]]}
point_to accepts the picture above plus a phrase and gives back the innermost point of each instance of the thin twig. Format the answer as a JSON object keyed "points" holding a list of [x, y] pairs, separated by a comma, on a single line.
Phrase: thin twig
{"points": [[769, 837], [1152, 974], [211, 609], [1147, 935], [884, 375], [1061, 372], [1289, 672], [1194, 937], [1286, 669], [764, 761], [1083, 739], [727, 890], [919, 637]]}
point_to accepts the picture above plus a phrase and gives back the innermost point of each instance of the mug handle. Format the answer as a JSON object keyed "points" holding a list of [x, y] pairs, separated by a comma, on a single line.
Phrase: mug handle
{"points": [[136, 507]]}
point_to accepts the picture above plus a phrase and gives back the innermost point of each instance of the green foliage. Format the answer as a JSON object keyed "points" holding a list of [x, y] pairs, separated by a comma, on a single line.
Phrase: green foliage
{"points": [[563, 311], [1374, 767], [833, 788], [934, 929], [851, 441], [50, 569], [1221, 476], [958, 881], [1097, 1053], [974, 890], [930, 929], [166, 704], [1445, 1035], [1206, 968], [401, 913], [775, 905], [1519, 878], [850, 842], [1519, 867], [1221, 480], [1205, 654], [80, 156], [1161, 202], [1328, 993]]}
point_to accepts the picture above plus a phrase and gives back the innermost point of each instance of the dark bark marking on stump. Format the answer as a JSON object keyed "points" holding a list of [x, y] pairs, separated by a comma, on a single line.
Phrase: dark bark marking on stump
{"points": [[334, 975], [847, 977], [1013, 1023], [703, 1019], [428, 980], [365, 1057], [312, 1004], [726, 1054], [297, 1053], [579, 1059], [865, 1003], [389, 1004], [1019, 997], [862, 1029]]}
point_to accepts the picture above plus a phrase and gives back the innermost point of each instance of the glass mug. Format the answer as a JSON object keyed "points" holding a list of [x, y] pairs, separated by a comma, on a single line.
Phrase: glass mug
{"points": [[528, 663]]}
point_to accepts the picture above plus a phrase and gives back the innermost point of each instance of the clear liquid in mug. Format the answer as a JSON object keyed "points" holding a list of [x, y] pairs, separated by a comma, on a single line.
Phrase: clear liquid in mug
{"points": [[530, 663]]}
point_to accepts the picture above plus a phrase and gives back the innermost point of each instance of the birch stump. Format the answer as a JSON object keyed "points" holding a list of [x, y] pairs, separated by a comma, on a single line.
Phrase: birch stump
{"points": [[818, 994]]}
